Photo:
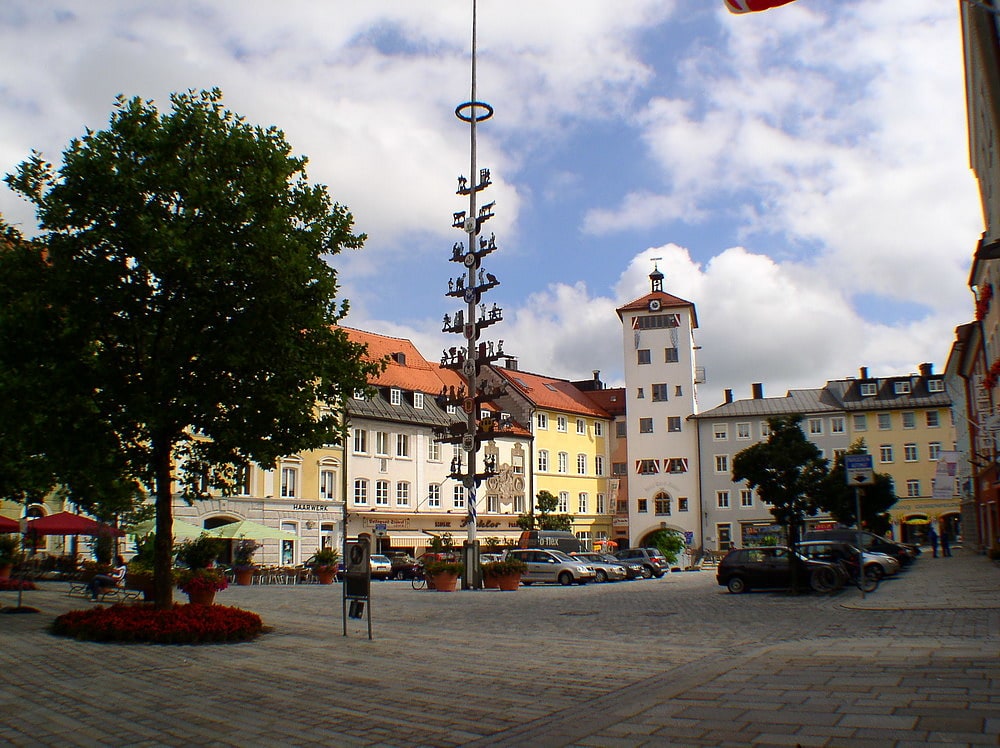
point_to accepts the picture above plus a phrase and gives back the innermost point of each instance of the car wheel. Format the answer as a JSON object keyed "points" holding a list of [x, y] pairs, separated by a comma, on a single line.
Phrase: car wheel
{"points": [[659, 574], [601, 575], [565, 579], [647, 572], [737, 586], [875, 570]]}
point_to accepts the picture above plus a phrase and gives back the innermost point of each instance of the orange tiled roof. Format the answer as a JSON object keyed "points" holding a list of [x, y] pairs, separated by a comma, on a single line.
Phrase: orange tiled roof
{"points": [[666, 300], [552, 394], [415, 375]]}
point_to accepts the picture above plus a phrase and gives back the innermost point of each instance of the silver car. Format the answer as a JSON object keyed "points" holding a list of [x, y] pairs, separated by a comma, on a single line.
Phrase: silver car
{"points": [[605, 570], [879, 565], [551, 566]]}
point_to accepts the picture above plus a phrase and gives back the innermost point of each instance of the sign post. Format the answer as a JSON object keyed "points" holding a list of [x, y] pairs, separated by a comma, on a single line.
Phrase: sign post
{"points": [[357, 584], [860, 470]]}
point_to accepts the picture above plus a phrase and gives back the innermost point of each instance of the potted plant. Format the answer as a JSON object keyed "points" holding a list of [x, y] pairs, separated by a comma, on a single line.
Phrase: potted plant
{"points": [[200, 580], [9, 554], [443, 574], [504, 574], [324, 564], [243, 565]]}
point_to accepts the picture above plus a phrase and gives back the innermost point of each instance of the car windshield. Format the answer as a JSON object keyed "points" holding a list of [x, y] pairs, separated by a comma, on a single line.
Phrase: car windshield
{"points": [[608, 559], [563, 557], [381, 559]]}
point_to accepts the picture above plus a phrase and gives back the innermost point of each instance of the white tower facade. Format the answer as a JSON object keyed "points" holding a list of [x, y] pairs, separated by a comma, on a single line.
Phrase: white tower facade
{"points": [[660, 384]]}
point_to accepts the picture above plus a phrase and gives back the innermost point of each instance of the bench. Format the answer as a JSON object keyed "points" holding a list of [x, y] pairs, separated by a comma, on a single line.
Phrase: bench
{"points": [[119, 593]]}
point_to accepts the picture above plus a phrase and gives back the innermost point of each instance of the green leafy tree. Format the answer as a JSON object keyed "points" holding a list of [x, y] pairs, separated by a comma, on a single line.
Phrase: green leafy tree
{"points": [[184, 270], [786, 471], [544, 517], [837, 497], [669, 542]]}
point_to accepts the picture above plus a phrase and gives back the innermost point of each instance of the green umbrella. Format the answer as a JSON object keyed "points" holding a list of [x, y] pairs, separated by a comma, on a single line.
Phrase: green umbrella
{"points": [[250, 530], [181, 529]]}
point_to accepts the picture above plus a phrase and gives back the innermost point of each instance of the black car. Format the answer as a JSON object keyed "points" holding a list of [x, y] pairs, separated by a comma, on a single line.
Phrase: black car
{"points": [[902, 552], [653, 562], [766, 567], [404, 566]]}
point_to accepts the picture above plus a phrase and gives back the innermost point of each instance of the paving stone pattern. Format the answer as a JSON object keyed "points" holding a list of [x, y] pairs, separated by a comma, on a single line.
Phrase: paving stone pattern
{"points": [[673, 661]]}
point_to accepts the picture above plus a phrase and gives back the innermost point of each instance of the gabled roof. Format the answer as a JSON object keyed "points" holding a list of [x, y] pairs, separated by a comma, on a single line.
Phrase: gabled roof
{"points": [[667, 301], [795, 402], [551, 393]]}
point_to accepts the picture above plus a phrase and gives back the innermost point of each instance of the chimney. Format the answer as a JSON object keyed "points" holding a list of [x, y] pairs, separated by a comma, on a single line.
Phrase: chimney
{"points": [[926, 370], [729, 397], [758, 391], [864, 372], [510, 363]]}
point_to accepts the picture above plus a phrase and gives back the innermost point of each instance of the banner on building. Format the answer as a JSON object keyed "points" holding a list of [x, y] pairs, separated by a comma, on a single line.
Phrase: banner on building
{"points": [[944, 475]]}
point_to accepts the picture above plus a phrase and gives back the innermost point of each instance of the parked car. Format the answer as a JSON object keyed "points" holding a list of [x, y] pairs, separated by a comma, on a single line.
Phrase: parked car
{"points": [[879, 565], [902, 552], [551, 566], [653, 563], [489, 558], [767, 567], [404, 566], [381, 566], [605, 569]]}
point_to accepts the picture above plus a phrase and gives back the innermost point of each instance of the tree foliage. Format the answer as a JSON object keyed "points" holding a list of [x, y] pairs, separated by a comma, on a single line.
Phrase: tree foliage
{"points": [[786, 471], [180, 307], [669, 542], [544, 516], [837, 497]]}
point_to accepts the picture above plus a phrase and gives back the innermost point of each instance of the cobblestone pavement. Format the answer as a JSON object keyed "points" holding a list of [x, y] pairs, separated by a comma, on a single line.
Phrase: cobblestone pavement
{"points": [[674, 661]]}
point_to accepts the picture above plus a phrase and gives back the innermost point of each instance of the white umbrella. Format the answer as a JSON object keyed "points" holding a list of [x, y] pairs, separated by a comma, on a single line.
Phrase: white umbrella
{"points": [[181, 529], [250, 530]]}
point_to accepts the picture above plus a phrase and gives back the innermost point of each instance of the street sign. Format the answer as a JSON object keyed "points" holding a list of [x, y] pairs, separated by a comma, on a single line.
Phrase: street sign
{"points": [[380, 530], [860, 470]]}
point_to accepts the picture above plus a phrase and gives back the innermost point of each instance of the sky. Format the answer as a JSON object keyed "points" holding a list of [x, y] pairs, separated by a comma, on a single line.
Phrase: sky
{"points": [[802, 173]]}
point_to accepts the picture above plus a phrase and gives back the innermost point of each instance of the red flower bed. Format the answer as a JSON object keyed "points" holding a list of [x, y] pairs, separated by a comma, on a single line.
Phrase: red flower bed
{"points": [[13, 585], [182, 624]]}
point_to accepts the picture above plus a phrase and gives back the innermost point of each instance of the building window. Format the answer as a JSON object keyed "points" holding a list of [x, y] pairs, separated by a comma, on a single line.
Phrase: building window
{"points": [[543, 461], [583, 501], [934, 451], [816, 426], [602, 503], [671, 355], [598, 465], [433, 451], [645, 425], [519, 504], [402, 445], [720, 432], [661, 504], [563, 466], [722, 463], [765, 429], [541, 421], [381, 493], [909, 420], [912, 487], [884, 421], [598, 428], [242, 480], [563, 507], [492, 503], [642, 356], [418, 400], [581, 426], [933, 419], [402, 493], [327, 484], [885, 453], [902, 388], [725, 535], [673, 424], [661, 392], [360, 441], [434, 495], [395, 396], [648, 467], [581, 464], [382, 443], [642, 506], [640, 394], [860, 422], [677, 465], [451, 409], [722, 499], [678, 391], [869, 389], [289, 481], [743, 431], [837, 425], [458, 497], [619, 468], [910, 452], [746, 498], [682, 504], [517, 464], [935, 385], [359, 394], [360, 491], [562, 424], [621, 429]]}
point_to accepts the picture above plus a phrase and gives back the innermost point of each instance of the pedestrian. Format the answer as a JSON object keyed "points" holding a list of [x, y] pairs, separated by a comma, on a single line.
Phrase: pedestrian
{"points": [[945, 543], [102, 582], [932, 538]]}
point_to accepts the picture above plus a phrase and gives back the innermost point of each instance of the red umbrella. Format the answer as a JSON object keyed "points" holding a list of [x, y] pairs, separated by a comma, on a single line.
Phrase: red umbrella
{"points": [[65, 523], [751, 6], [9, 525]]}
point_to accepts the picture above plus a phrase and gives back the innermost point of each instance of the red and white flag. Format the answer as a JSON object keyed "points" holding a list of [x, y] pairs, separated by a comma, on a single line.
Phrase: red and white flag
{"points": [[750, 6]]}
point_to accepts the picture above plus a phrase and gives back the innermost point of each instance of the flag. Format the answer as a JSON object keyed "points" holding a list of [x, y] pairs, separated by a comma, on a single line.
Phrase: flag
{"points": [[749, 6]]}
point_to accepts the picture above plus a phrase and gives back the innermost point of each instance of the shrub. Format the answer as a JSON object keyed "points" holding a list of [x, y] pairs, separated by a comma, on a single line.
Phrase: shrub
{"points": [[181, 624]]}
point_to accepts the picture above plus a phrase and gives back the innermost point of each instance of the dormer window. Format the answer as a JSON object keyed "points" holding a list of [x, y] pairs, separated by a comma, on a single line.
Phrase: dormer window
{"points": [[395, 396], [869, 389], [485, 414], [935, 385], [418, 400], [901, 388], [359, 394]]}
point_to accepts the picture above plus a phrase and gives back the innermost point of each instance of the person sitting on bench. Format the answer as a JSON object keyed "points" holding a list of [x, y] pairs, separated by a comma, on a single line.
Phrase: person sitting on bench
{"points": [[101, 583]]}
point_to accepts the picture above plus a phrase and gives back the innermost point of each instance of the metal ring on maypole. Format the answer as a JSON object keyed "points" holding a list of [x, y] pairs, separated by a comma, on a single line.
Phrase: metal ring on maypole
{"points": [[473, 105]]}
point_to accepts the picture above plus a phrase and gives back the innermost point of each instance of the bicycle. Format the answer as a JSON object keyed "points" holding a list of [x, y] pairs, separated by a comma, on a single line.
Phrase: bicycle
{"points": [[833, 576], [418, 581]]}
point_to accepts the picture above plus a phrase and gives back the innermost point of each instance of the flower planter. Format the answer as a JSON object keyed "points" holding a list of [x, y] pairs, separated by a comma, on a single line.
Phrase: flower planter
{"points": [[491, 582], [201, 597], [509, 582], [326, 575], [5, 570], [244, 576], [443, 582]]}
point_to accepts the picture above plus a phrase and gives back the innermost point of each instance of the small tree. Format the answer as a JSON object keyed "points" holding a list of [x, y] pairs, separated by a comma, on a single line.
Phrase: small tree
{"points": [[668, 542], [544, 517]]}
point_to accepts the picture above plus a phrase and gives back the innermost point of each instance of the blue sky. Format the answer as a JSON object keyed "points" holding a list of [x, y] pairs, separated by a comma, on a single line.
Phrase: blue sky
{"points": [[803, 172]]}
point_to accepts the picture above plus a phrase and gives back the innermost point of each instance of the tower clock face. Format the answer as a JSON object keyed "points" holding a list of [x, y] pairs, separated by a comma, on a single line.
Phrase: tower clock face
{"points": [[654, 305]]}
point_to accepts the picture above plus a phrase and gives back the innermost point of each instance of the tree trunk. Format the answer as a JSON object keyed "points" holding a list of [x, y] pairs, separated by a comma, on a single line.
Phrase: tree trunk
{"points": [[163, 549]]}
